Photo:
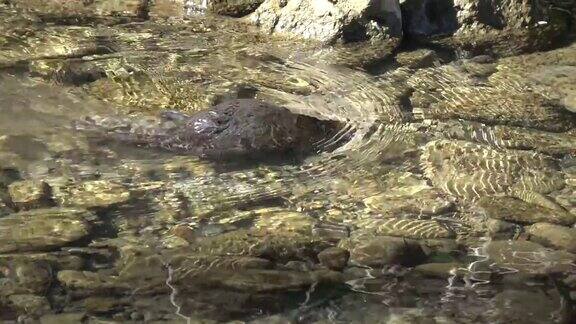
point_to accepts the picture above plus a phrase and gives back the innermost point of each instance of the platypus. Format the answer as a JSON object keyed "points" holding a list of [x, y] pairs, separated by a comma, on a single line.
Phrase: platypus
{"points": [[237, 128]]}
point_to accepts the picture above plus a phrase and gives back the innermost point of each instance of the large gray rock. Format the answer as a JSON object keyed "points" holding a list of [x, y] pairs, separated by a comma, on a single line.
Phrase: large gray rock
{"points": [[43, 229], [503, 27], [330, 21]]}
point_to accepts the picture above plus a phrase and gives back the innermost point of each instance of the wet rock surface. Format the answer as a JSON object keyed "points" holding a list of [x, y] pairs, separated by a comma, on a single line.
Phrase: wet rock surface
{"points": [[555, 236], [326, 21], [43, 229], [334, 258], [29, 194], [480, 27], [514, 210], [89, 194], [528, 257], [382, 250]]}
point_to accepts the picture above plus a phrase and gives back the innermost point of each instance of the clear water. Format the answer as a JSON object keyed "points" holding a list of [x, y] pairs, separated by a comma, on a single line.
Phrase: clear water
{"points": [[174, 238]]}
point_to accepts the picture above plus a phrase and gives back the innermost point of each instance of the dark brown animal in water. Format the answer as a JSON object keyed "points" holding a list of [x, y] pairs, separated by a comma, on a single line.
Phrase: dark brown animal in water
{"points": [[237, 128]]}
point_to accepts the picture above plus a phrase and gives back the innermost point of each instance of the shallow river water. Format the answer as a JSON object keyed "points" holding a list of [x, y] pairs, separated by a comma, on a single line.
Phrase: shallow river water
{"points": [[448, 196]]}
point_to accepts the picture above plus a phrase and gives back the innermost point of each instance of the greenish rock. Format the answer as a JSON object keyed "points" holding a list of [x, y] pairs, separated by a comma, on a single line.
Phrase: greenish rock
{"points": [[496, 227], [30, 304], [383, 250], [515, 210], [438, 270], [64, 318], [130, 272], [234, 8], [57, 260], [524, 306], [269, 244], [89, 194], [555, 236], [43, 229], [528, 257], [334, 258], [27, 277], [30, 194], [87, 281], [101, 304]]}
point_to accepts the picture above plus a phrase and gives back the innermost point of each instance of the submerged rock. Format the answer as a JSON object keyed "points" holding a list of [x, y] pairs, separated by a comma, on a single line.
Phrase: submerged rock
{"points": [[438, 270], [30, 304], [62, 318], [526, 306], [237, 128], [556, 236], [452, 91], [528, 258], [30, 194], [89, 194], [383, 250], [515, 210], [26, 277], [286, 221], [57, 260], [334, 258], [330, 21], [87, 281], [410, 228], [460, 168], [255, 280], [43, 229], [84, 8]]}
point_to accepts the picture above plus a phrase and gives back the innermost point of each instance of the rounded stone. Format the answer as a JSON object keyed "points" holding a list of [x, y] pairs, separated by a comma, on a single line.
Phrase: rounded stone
{"points": [[382, 250], [30, 194], [334, 258], [30, 304], [555, 236], [43, 229]]}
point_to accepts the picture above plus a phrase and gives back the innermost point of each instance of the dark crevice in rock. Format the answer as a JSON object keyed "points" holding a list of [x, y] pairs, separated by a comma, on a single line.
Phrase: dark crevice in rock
{"points": [[429, 18], [354, 32]]}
